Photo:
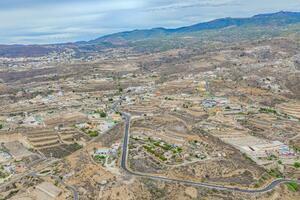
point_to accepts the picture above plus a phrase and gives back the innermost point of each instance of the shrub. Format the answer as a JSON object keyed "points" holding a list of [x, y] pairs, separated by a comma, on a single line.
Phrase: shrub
{"points": [[93, 133], [267, 110], [103, 114], [293, 186], [275, 173], [297, 164]]}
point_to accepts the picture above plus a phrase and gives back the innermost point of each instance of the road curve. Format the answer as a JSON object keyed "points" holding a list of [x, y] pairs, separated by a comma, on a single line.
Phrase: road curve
{"points": [[127, 117]]}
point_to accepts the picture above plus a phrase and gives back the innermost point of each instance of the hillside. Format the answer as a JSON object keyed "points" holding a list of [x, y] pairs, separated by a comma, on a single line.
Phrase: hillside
{"points": [[161, 39], [273, 20]]}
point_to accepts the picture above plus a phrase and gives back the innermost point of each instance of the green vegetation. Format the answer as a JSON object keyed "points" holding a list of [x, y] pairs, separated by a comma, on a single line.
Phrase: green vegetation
{"points": [[293, 186], [93, 133], [76, 146], [155, 147], [1, 126], [272, 157], [152, 151], [296, 148], [100, 157], [3, 174], [275, 173], [165, 146], [247, 158], [262, 180], [101, 113], [185, 106], [177, 150], [268, 110], [297, 164]]}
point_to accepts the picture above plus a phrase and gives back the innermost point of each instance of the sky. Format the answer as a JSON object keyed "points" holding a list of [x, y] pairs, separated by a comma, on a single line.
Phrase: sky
{"points": [[57, 21]]}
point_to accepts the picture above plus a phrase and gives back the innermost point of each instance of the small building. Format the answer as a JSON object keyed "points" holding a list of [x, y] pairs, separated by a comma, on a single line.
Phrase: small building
{"points": [[102, 152], [209, 103], [285, 151], [4, 156]]}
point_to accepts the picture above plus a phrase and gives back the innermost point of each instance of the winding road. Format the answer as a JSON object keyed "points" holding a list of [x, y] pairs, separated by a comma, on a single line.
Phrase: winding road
{"points": [[127, 117]]}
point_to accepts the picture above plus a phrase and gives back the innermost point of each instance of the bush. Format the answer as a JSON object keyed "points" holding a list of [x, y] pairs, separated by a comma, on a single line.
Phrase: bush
{"points": [[248, 158], [150, 150], [1, 126], [275, 173], [297, 164], [3, 175], [293, 186], [101, 113], [99, 157], [93, 133], [267, 110]]}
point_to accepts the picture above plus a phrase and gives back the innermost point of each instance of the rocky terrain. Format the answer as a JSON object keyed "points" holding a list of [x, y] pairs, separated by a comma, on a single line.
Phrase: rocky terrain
{"points": [[215, 103]]}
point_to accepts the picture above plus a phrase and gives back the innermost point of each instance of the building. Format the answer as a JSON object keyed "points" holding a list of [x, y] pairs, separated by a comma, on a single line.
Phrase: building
{"points": [[209, 103], [285, 151], [4, 156], [102, 152]]}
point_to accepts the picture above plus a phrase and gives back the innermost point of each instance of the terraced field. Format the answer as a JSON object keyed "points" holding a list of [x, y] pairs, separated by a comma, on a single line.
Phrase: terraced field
{"points": [[41, 139], [51, 142], [292, 109]]}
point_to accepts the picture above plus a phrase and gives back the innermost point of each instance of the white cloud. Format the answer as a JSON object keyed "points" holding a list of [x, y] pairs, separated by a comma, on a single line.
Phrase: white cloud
{"points": [[48, 21]]}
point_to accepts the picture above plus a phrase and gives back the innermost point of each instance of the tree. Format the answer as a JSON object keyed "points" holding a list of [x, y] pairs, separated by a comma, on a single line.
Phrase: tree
{"points": [[102, 114], [297, 164]]}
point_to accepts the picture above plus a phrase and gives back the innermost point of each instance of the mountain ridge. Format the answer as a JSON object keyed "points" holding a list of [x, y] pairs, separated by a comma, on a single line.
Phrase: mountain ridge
{"points": [[131, 38], [278, 18]]}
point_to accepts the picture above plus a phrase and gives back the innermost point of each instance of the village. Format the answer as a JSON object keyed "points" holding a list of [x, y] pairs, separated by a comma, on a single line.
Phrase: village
{"points": [[101, 126]]}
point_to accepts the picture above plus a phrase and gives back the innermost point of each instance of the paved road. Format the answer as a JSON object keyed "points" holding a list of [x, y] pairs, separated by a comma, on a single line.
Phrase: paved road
{"points": [[127, 116]]}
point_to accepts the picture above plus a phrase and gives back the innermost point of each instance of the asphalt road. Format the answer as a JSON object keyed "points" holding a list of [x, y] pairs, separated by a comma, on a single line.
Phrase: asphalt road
{"points": [[127, 116]]}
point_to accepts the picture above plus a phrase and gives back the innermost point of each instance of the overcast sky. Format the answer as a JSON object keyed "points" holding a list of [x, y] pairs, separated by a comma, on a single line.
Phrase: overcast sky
{"points": [[54, 21]]}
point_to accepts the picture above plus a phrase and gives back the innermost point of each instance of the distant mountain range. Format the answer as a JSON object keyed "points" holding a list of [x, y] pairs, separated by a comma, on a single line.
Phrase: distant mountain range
{"points": [[263, 21], [273, 19]]}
